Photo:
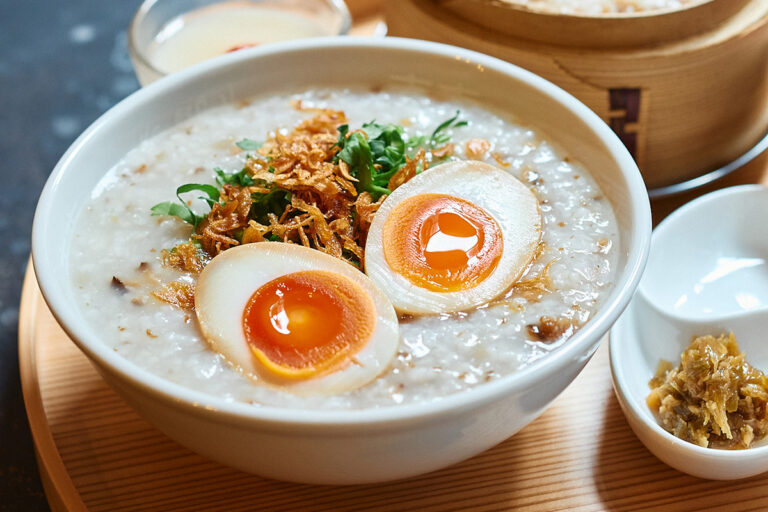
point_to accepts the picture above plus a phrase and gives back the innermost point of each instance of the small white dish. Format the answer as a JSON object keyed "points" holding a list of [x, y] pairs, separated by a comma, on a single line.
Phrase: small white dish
{"points": [[707, 273], [210, 26]]}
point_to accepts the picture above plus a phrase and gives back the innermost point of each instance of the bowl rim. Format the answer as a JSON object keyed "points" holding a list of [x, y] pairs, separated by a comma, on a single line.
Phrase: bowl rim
{"points": [[579, 347]]}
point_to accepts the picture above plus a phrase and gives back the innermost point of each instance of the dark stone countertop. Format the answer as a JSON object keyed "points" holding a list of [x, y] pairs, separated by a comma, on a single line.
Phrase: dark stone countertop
{"points": [[62, 64]]}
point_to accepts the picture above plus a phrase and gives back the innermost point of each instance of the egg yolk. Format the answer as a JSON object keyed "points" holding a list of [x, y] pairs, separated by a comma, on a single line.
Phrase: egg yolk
{"points": [[442, 243], [304, 324]]}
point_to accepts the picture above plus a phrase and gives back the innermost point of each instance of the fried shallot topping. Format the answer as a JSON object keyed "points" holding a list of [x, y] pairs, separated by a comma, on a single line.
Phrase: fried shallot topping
{"points": [[299, 189], [186, 257], [322, 196], [302, 161], [550, 329], [177, 293], [318, 185], [536, 287], [477, 148], [409, 170], [217, 231]]}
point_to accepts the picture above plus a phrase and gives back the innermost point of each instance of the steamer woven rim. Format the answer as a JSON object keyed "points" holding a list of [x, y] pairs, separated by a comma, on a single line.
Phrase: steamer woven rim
{"points": [[521, 5]]}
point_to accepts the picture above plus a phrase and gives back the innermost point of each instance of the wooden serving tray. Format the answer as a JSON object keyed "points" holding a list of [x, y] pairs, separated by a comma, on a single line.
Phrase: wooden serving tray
{"points": [[96, 454]]}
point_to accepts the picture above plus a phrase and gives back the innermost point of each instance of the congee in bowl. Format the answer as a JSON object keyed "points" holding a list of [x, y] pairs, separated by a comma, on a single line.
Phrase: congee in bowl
{"points": [[470, 230], [135, 268]]}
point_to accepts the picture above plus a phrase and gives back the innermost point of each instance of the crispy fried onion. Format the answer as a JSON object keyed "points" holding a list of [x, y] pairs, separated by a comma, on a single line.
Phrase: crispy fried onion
{"points": [[186, 257], [325, 211], [550, 329], [409, 170], [216, 231], [177, 293], [330, 232], [535, 288], [302, 160], [318, 205]]}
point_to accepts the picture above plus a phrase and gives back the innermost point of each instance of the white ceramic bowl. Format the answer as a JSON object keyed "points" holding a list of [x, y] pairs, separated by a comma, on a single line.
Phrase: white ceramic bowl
{"points": [[707, 274], [342, 446]]}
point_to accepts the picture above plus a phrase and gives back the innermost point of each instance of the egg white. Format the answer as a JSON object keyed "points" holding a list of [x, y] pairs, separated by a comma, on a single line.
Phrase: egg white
{"points": [[511, 204], [230, 279]]}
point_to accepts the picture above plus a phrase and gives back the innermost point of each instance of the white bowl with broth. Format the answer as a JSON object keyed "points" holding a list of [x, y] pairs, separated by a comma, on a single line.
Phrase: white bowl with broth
{"points": [[356, 444]]}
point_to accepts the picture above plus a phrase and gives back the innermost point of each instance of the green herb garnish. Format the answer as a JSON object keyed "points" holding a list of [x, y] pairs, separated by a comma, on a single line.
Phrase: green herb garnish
{"points": [[248, 144], [241, 178], [357, 153], [273, 201], [182, 209], [375, 159], [439, 137]]}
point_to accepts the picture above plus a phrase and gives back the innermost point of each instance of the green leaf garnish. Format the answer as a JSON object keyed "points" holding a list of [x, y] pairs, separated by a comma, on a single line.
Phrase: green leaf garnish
{"points": [[415, 142], [211, 192], [182, 209], [375, 159], [387, 146], [248, 144], [343, 131], [241, 178], [439, 137], [273, 201], [176, 210], [356, 152]]}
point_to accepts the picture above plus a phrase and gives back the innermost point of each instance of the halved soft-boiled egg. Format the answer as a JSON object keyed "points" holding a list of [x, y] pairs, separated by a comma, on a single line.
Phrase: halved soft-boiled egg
{"points": [[296, 318], [452, 238]]}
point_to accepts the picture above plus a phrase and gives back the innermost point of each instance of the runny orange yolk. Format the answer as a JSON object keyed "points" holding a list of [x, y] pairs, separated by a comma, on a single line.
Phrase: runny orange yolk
{"points": [[304, 324], [442, 243]]}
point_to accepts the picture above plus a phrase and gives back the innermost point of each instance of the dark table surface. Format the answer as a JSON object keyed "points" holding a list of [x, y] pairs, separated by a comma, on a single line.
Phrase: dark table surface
{"points": [[62, 64]]}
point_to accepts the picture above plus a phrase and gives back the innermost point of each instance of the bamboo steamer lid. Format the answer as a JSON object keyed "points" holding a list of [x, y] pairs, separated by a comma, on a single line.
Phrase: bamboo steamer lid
{"points": [[606, 31], [686, 90]]}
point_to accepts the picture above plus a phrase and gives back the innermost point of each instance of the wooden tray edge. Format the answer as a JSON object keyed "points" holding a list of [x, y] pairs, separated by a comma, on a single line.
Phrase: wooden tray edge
{"points": [[59, 489]]}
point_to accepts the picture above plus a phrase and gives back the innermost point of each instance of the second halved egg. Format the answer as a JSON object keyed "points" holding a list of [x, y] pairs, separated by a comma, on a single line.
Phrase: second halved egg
{"points": [[295, 318], [454, 237]]}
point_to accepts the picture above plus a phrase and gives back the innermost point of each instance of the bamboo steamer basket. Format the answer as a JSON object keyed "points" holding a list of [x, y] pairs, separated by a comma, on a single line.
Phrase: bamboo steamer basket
{"points": [[686, 90]]}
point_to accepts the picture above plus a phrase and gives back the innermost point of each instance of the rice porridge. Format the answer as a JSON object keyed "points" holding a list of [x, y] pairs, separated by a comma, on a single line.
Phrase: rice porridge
{"points": [[116, 255], [598, 7]]}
